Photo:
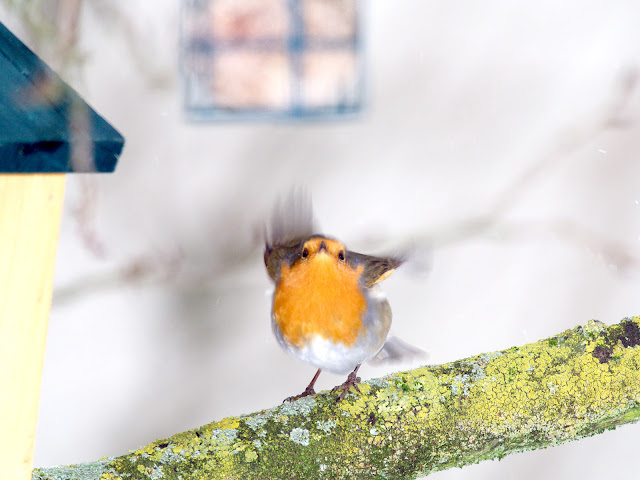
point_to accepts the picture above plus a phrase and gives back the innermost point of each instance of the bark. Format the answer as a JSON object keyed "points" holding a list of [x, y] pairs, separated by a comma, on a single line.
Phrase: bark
{"points": [[573, 385]]}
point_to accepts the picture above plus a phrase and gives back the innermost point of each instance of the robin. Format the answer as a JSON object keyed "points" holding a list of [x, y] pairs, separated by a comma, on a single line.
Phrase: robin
{"points": [[326, 308]]}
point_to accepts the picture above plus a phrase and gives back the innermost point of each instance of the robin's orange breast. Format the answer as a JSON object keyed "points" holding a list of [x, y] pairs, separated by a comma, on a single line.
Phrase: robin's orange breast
{"points": [[320, 297]]}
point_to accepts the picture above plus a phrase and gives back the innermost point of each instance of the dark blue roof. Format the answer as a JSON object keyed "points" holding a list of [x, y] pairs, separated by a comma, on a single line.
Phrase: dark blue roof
{"points": [[36, 108]]}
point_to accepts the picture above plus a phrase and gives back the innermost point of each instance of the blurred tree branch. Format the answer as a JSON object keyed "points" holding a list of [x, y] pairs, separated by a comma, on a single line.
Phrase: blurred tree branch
{"points": [[60, 20], [53, 27], [138, 45], [570, 386], [492, 223], [614, 115], [147, 269]]}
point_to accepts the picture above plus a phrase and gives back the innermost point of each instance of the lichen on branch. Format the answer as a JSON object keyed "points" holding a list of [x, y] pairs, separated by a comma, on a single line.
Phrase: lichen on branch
{"points": [[408, 424]]}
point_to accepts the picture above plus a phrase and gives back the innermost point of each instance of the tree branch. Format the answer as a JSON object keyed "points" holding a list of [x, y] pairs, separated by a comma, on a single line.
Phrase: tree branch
{"points": [[575, 384]]}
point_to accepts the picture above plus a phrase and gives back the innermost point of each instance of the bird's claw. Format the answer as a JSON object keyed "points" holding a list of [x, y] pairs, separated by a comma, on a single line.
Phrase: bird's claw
{"points": [[352, 381], [307, 391]]}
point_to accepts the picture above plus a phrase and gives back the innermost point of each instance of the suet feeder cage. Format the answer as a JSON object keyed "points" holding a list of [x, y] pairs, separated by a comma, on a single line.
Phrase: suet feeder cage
{"points": [[270, 59]]}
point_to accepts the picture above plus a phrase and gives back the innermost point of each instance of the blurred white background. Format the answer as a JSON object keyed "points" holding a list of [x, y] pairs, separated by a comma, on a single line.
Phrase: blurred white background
{"points": [[501, 135]]}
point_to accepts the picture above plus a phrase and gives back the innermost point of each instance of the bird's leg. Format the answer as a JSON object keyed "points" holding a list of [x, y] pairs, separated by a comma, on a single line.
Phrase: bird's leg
{"points": [[307, 391], [352, 381]]}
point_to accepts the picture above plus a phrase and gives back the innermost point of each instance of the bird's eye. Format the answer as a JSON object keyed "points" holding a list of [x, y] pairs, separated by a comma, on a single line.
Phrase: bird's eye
{"points": [[341, 255], [305, 253]]}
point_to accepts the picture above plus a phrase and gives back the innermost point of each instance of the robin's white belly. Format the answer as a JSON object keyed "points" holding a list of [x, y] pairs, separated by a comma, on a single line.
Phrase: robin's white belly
{"points": [[332, 357]]}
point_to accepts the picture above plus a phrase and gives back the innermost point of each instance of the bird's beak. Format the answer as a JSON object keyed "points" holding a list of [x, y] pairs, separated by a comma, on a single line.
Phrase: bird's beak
{"points": [[322, 247]]}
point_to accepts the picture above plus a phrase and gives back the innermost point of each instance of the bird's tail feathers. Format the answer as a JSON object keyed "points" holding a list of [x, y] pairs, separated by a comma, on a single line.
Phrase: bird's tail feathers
{"points": [[396, 350]]}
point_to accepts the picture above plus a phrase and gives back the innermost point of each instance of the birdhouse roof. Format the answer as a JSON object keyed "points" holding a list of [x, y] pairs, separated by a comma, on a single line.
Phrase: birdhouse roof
{"points": [[45, 126]]}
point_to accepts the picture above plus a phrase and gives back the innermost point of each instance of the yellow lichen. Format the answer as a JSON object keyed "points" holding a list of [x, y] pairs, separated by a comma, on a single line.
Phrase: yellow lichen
{"points": [[109, 476], [148, 449], [228, 423]]}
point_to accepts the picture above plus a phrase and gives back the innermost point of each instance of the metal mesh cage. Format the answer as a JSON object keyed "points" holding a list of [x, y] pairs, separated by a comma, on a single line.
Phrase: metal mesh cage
{"points": [[271, 58]]}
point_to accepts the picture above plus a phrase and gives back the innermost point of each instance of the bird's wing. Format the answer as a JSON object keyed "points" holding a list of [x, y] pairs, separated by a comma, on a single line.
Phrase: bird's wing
{"points": [[291, 219], [274, 255], [376, 269], [291, 223]]}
